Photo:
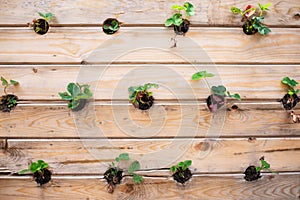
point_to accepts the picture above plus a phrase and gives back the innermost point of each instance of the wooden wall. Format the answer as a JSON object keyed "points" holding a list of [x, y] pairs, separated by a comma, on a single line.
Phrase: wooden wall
{"points": [[80, 146]]}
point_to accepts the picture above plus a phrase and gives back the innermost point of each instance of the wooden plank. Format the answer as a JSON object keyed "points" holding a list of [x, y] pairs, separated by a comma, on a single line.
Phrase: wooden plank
{"points": [[206, 187], [93, 156], [137, 45], [163, 121], [40, 82], [208, 12]]}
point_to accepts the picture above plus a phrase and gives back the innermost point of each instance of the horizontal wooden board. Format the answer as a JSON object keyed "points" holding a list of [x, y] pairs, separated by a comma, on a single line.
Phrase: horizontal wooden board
{"points": [[211, 187], [208, 12], [43, 82], [163, 121], [93, 156], [148, 45]]}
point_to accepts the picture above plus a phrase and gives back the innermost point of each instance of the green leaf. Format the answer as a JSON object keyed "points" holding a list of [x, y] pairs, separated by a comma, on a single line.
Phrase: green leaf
{"points": [[235, 10], [173, 169], [178, 7], [124, 156], [258, 169], [201, 74], [4, 81], [23, 171], [189, 9], [169, 22], [137, 178], [134, 166], [219, 90], [188, 163], [65, 96], [290, 82]]}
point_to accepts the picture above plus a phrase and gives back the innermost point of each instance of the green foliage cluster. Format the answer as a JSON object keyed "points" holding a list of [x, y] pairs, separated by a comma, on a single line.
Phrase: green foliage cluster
{"points": [[134, 90], [181, 165], [177, 19], [248, 15], [113, 26], [76, 93], [35, 167], [292, 84], [218, 90]]}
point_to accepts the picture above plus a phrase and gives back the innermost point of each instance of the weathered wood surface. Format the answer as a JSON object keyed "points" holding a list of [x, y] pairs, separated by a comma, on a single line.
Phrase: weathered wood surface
{"points": [[163, 120], [43, 82], [90, 156], [208, 12], [149, 45], [275, 187]]}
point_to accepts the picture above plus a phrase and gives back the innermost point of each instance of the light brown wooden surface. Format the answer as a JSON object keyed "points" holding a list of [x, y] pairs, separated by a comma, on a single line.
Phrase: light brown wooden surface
{"points": [[124, 121], [275, 187], [88, 156], [208, 12], [43, 82], [148, 45]]}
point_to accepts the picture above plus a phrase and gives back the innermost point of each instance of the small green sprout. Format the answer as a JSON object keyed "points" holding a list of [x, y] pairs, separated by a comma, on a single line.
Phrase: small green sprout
{"points": [[6, 84], [255, 21], [47, 16], [181, 165], [114, 26], [176, 19], [134, 166], [134, 91], [218, 90], [76, 93], [35, 167], [264, 166], [292, 84]]}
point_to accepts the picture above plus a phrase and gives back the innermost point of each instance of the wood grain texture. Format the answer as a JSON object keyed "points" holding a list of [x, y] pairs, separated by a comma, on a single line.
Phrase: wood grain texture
{"points": [[43, 82], [148, 45], [163, 120], [276, 187], [88, 156], [208, 12]]}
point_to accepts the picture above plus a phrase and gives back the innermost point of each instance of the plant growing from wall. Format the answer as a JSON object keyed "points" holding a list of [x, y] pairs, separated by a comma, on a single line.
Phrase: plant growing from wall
{"points": [[218, 93], [181, 171], [41, 26], [290, 100], [114, 174], [111, 26], [77, 95], [40, 171], [8, 101], [141, 97], [253, 22], [253, 172], [181, 24]]}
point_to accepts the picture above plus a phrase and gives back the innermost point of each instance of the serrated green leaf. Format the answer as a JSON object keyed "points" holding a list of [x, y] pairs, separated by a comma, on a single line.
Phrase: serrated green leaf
{"points": [[235, 10], [134, 166]]}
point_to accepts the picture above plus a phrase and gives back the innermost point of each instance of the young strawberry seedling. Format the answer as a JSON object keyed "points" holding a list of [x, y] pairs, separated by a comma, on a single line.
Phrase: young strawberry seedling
{"points": [[290, 100], [41, 26], [40, 172], [181, 171], [77, 95], [140, 97], [110, 26], [252, 22], [8, 101], [218, 93], [253, 172]]}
